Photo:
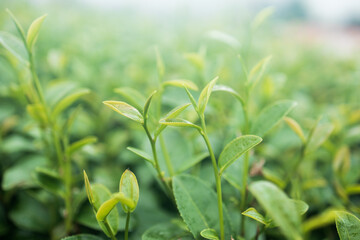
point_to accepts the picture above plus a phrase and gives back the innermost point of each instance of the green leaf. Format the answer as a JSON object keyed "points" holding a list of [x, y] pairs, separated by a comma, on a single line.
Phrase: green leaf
{"points": [[342, 159], [142, 154], [273, 177], [205, 96], [232, 174], [33, 31], [189, 162], [296, 128], [67, 101], [88, 189], [166, 231], [172, 114], [347, 225], [126, 110], [106, 208], [279, 207], [235, 149], [196, 202], [159, 64], [82, 237], [101, 194], [18, 26], [325, 218], [38, 112], [50, 180], [14, 46], [318, 136], [178, 122], [258, 70], [130, 188], [81, 143], [196, 60], [254, 214], [147, 104], [271, 116], [261, 17], [20, 175], [192, 99], [301, 206], [28, 213], [133, 96], [223, 88], [181, 83], [224, 38], [209, 233]]}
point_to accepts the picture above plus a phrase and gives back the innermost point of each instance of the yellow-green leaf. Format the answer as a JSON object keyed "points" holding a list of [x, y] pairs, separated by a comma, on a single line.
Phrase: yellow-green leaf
{"points": [[209, 233], [33, 31], [106, 208], [67, 101], [172, 114], [205, 95], [88, 189], [296, 128], [254, 214], [126, 110], [81, 143], [181, 83], [261, 17], [341, 163], [130, 188], [178, 122]]}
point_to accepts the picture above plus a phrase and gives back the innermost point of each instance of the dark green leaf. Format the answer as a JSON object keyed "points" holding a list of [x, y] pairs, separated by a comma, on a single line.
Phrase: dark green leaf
{"points": [[82, 237], [50, 180], [189, 162], [166, 231], [347, 225]]}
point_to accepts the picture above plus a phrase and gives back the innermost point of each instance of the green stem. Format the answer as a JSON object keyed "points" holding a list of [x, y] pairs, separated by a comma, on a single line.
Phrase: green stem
{"points": [[217, 178], [127, 226], [108, 228], [166, 156], [157, 166]]}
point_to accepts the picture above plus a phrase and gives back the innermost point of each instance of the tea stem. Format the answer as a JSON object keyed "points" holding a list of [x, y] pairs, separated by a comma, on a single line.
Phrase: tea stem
{"points": [[127, 226], [108, 228], [217, 178], [166, 156]]}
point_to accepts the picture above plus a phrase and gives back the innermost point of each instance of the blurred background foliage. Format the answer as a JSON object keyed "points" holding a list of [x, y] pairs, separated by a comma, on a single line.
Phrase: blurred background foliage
{"points": [[104, 47]]}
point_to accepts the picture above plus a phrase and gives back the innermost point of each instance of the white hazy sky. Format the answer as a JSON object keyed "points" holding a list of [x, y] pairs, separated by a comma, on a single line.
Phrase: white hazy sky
{"points": [[321, 10]]}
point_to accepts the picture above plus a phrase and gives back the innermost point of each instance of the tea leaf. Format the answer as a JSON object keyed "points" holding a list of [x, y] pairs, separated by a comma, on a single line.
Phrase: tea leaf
{"points": [[273, 177], [235, 149], [14, 46], [318, 136], [232, 174], [178, 122], [82, 237], [81, 143], [125, 110], [88, 189], [189, 162], [209, 233], [196, 203], [192, 99], [181, 83], [133, 96], [159, 64], [223, 88], [67, 101], [301, 206], [326, 217], [130, 188], [101, 194], [33, 31], [147, 105], [347, 225], [51, 181], [353, 189], [205, 95], [341, 163], [38, 112], [224, 38], [271, 116], [142, 154], [279, 207], [195, 59], [258, 71], [254, 214], [172, 114], [18, 25], [166, 231], [261, 17], [296, 128], [106, 208]]}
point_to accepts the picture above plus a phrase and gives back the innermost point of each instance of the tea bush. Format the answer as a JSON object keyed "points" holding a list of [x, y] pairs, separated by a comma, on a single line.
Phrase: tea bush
{"points": [[267, 149]]}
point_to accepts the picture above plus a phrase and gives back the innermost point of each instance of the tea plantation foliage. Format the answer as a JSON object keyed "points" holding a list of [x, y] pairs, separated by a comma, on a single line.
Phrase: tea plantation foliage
{"points": [[232, 128]]}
